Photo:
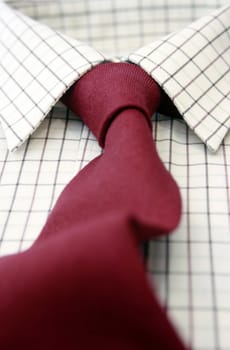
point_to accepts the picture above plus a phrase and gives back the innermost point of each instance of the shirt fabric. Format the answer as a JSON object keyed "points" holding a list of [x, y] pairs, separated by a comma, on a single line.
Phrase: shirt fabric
{"points": [[192, 262]]}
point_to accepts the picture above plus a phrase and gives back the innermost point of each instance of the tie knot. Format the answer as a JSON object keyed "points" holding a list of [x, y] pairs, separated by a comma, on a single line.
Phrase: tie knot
{"points": [[109, 88]]}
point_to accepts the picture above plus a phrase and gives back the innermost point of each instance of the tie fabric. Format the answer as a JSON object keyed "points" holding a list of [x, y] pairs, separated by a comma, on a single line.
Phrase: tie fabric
{"points": [[82, 284], [116, 101]]}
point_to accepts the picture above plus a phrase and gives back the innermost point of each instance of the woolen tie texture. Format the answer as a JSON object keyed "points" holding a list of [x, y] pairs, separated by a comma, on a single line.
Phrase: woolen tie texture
{"points": [[83, 285], [117, 101]]}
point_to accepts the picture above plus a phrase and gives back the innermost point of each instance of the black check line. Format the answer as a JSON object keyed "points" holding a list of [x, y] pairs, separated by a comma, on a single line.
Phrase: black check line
{"points": [[23, 90], [227, 176], [208, 113], [175, 6], [192, 187], [60, 35], [46, 67], [166, 15], [45, 139], [83, 156], [140, 9], [222, 214], [31, 51], [165, 40], [21, 63], [7, 49], [59, 159], [211, 257], [193, 273], [202, 242], [115, 13], [4, 161], [46, 112], [191, 60], [212, 85], [88, 15], [16, 107], [14, 195], [105, 12], [43, 113], [224, 96], [188, 224], [23, 116], [223, 25], [62, 15], [79, 52], [224, 124], [49, 46], [167, 238], [9, 125], [174, 164]]}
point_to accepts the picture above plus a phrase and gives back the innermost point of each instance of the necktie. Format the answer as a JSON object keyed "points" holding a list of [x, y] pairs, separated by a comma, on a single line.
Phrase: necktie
{"points": [[82, 284], [117, 101]]}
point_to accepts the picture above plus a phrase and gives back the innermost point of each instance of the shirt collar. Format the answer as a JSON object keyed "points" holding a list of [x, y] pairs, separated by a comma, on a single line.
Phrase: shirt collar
{"points": [[38, 64]]}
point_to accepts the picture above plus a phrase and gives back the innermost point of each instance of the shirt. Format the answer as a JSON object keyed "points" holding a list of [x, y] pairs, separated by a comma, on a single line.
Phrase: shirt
{"points": [[194, 260]]}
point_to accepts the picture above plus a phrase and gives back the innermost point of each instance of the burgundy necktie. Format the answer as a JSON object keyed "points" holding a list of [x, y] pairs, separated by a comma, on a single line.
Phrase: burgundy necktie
{"points": [[83, 285]]}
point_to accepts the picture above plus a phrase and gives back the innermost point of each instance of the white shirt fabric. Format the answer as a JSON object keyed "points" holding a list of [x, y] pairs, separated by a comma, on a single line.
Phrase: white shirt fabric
{"points": [[37, 66], [191, 268]]}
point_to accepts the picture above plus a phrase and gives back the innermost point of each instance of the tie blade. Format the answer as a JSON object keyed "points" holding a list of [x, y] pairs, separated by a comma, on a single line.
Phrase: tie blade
{"points": [[86, 287]]}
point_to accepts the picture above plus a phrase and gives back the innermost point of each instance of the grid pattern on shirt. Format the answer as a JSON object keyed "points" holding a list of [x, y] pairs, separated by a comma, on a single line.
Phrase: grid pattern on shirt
{"points": [[191, 268], [195, 73], [37, 65], [32, 177], [116, 27], [192, 265]]}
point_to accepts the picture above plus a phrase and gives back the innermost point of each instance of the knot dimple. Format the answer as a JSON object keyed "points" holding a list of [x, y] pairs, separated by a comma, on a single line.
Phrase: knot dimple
{"points": [[108, 89]]}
